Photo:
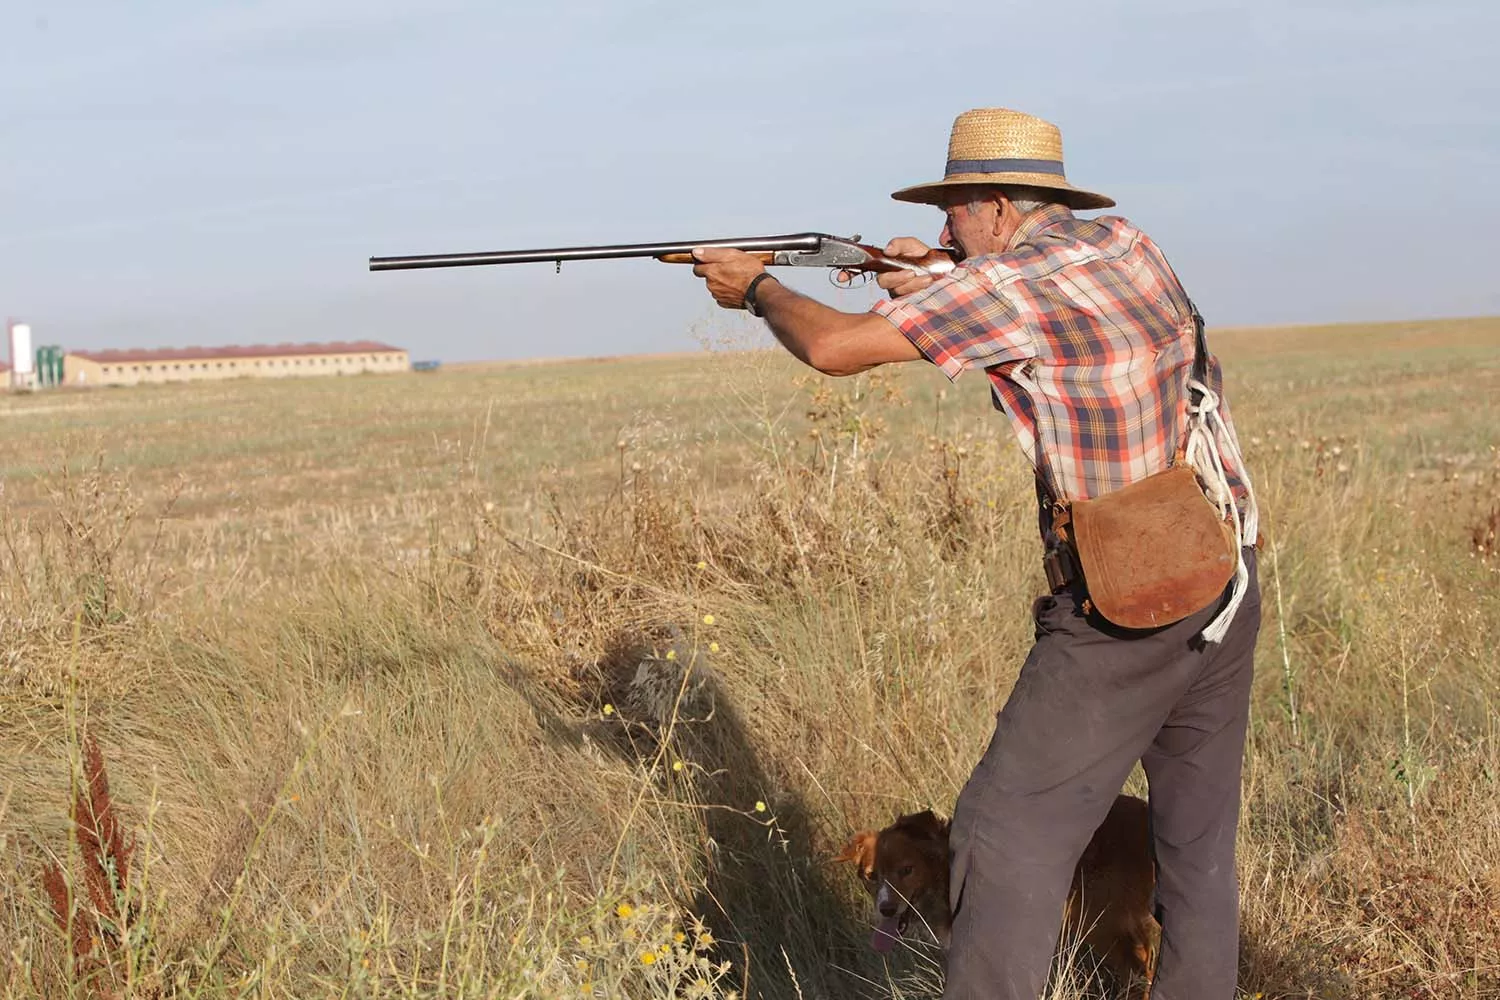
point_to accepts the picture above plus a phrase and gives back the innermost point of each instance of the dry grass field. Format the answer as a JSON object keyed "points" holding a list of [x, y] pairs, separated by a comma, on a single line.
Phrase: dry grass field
{"points": [[569, 680]]}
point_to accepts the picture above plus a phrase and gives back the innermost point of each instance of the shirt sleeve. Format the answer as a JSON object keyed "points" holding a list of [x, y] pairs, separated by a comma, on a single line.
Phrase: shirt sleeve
{"points": [[962, 321]]}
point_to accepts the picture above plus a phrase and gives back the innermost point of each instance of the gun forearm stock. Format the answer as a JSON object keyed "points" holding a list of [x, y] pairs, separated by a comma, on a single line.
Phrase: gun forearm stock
{"points": [[764, 256]]}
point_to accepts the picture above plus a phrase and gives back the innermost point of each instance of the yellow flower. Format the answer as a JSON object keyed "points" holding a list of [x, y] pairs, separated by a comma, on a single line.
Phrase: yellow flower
{"points": [[679, 937], [708, 619], [586, 988], [705, 939], [713, 647], [648, 958], [671, 654], [702, 564], [760, 806], [609, 709], [625, 911], [677, 765]]}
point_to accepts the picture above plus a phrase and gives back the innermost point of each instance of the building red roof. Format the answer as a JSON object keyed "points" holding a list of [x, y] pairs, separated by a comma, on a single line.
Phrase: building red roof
{"points": [[126, 355]]}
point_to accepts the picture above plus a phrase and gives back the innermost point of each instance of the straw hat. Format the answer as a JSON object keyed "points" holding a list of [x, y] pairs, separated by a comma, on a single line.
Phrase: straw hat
{"points": [[1000, 146]]}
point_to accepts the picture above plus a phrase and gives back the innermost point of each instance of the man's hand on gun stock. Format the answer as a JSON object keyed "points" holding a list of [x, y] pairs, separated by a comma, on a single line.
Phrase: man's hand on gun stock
{"points": [[727, 273], [899, 283]]}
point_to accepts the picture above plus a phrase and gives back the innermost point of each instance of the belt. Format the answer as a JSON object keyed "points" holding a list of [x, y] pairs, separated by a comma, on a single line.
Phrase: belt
{"points": [[1060, 564]]}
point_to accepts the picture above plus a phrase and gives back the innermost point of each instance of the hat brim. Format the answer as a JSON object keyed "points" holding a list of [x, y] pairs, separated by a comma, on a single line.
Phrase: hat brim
{"points": [[934, 193]]}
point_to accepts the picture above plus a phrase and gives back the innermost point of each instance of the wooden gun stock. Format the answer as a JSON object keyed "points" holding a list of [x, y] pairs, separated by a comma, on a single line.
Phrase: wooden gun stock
{"points": [[936, 262]]}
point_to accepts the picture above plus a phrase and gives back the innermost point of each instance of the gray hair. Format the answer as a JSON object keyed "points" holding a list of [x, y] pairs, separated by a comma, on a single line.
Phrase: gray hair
{"points": [[1030, 199], [1026, 199]]}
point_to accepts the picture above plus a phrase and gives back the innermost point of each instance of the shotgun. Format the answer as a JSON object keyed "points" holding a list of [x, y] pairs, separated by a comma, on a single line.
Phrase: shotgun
{"points": [[847, 257]]}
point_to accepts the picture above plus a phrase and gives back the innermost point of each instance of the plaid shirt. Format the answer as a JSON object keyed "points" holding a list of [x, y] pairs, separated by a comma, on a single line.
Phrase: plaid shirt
{"points": [[1087, 339]]}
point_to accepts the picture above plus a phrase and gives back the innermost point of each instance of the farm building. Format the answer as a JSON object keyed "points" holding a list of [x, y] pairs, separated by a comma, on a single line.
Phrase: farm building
{"points": [[196, 364]]}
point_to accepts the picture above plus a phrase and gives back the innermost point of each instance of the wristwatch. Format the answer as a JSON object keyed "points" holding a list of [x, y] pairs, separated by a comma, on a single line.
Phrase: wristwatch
{"points": [[750, 305]]}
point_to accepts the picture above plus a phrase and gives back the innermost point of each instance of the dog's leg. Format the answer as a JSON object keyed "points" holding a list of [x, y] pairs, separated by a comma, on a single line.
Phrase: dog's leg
{"points": [[1136, 947]]}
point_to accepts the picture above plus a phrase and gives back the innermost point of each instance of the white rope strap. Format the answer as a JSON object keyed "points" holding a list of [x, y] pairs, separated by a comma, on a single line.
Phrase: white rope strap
{"points": [[1206, 429]]}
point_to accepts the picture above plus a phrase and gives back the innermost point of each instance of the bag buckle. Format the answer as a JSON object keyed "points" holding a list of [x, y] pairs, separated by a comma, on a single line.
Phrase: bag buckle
{"points": [[1060, 567]]}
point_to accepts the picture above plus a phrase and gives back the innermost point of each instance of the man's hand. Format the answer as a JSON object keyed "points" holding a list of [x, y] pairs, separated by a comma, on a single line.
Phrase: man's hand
{"points": [[727, 272], [900, 283]]}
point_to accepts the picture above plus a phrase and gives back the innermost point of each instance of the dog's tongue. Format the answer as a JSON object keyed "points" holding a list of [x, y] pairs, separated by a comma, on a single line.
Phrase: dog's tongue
{"points": [[884, 937]]}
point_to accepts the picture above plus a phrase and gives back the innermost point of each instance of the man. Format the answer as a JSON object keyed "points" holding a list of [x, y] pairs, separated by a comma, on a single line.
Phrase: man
{"points": [[1088, 341]]}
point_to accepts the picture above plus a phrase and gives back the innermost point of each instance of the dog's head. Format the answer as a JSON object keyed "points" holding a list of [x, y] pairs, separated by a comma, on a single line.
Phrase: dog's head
{"points": [[904, 868]]}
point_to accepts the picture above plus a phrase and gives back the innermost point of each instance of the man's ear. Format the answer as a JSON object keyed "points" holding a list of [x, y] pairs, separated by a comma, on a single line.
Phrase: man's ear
{"points": [[861, 851], [1003, 210]]}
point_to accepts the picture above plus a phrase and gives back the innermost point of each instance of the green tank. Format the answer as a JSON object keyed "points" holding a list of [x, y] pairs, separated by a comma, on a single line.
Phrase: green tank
{"points": [[49, 365]]}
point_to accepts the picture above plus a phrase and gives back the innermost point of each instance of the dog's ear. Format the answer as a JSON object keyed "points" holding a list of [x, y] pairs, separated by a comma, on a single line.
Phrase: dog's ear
{"points": [[925, 824], [861, 851]]}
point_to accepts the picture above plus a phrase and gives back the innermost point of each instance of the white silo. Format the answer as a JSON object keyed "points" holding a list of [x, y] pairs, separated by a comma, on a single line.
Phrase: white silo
{"points": [[22, 368]]}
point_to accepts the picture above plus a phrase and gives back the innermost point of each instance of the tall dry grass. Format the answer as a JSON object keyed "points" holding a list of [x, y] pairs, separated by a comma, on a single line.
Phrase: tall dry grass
{"points": [[592, 719]]}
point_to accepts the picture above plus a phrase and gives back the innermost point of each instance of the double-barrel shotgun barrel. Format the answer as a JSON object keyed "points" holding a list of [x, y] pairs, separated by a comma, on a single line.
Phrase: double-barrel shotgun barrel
{"points": [[848, 256]]}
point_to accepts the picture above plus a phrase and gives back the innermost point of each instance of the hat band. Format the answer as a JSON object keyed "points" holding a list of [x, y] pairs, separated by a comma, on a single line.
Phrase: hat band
{"points": [[1003, 166]]}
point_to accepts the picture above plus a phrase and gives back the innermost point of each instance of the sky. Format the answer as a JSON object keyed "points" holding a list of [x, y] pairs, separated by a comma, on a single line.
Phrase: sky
{"points": [[209, 172]]}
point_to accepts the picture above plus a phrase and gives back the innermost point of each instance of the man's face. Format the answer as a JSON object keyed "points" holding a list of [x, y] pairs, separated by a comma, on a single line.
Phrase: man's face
{"points": [[969, 220], [978, 222]]}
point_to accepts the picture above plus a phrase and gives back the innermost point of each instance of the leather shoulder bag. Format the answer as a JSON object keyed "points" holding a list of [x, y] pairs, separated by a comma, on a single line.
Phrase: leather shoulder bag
{"points": [[1156, 551]]}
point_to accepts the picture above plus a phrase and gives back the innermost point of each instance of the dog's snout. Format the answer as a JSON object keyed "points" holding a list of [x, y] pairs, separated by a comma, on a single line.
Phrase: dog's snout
{"points": [[886, 902]]}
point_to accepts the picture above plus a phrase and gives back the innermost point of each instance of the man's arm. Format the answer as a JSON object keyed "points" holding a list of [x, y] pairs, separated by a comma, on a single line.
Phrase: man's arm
{"points": [[832, 341]]}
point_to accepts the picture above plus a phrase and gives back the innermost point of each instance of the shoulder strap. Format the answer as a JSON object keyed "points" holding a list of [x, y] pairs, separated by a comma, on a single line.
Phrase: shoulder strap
{"points": [[1200, 343], [1200, 352]]}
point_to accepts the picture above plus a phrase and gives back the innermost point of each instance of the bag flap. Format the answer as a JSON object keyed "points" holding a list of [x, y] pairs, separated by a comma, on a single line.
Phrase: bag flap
{"points": [[1154, 552]]}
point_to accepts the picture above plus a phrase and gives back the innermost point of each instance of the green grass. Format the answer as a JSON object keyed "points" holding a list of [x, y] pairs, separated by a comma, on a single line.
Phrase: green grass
{"points": [[407, 684]]}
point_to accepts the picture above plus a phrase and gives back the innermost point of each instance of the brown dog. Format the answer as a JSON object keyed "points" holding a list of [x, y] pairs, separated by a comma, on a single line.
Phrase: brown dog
{"points": [[905, 870]]}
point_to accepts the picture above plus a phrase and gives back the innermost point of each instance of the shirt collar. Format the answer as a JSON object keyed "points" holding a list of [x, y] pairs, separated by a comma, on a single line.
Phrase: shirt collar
{"points": [[1037, 222]]}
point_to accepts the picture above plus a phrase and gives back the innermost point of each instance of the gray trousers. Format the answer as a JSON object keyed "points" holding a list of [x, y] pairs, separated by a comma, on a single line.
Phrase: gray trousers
{"points": [[1090, 701]]}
